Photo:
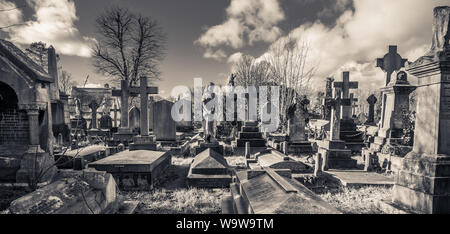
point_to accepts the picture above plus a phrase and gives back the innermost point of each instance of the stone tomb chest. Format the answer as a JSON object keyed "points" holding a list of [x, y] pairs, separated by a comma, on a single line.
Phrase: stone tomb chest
{"points": [[209, 170], [135, 170], [276, 160], [269, 191]]}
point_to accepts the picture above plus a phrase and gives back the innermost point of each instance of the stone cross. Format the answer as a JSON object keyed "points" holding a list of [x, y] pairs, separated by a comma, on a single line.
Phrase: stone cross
{"points": [[335, 121], [94, 106], [345, 86], [125, 92], [371, 100], [353, 103], [391, 62]]}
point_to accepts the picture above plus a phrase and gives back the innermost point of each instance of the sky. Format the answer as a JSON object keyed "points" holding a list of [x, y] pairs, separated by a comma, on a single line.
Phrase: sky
{"points": [[205, 37]]}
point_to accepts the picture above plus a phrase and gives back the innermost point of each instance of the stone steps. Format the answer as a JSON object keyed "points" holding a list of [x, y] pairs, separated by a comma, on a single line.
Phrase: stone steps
{"points": [[253, 142]]}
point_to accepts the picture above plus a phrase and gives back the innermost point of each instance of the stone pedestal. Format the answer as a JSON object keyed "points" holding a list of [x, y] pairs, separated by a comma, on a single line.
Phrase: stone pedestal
{"points": [[301, 147], [423, 183], [337, 156], [143, 143], [36, 166]]}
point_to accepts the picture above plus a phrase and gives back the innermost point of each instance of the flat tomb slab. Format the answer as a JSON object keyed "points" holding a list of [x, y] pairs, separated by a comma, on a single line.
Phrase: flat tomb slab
{"points": [[358, 178], [268, 192], [139, 161]]}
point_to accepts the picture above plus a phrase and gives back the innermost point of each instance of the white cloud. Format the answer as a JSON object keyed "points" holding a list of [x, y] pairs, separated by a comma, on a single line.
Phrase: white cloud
{"points": [[235, 57], [52, 23], [217, 55], [359, 37], [248, 21], [10, 14]]}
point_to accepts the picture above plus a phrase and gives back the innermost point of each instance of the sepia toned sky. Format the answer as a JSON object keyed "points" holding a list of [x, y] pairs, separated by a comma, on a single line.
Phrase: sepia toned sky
{"points": [[206, 36]]}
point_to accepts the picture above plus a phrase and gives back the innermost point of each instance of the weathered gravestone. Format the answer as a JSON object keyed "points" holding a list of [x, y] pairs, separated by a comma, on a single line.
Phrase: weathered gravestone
{"points": [[298, 117], [83, 192], [135, 118], [94, 106], [164, 127], [395, 106], [326, 112], [371, 118], [105, 122], [423, 181], [391, 62]]}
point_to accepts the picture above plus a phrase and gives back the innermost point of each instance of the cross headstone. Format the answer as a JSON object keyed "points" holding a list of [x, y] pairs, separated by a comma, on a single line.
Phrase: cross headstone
{"points": [[125, 92], [94, 106], [371, 100], [391, 62], [345, 86], [335, 122]]}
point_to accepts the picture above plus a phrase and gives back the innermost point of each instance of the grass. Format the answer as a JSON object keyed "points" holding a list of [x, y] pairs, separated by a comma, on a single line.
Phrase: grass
{"points": [[179, 201], [357, 200]]}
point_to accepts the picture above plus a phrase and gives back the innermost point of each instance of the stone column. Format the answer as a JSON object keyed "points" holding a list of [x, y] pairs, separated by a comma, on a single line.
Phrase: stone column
{"points": [[150, 114], [144, 107], [423, 182], [35, 161], [33, 121], [124, 105]]}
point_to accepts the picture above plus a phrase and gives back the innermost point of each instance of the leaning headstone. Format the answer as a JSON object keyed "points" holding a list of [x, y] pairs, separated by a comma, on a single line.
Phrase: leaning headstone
{"points": [[422, 184]]}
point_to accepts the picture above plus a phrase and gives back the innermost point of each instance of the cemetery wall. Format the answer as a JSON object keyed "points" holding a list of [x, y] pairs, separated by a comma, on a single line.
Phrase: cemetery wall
{"points": [[14, 127]]}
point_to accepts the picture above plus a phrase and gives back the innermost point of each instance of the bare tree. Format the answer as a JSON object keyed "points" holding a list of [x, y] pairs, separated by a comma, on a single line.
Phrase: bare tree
{"points": [[249, 71], [66, 82], [291, 69], [128, 45]]}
